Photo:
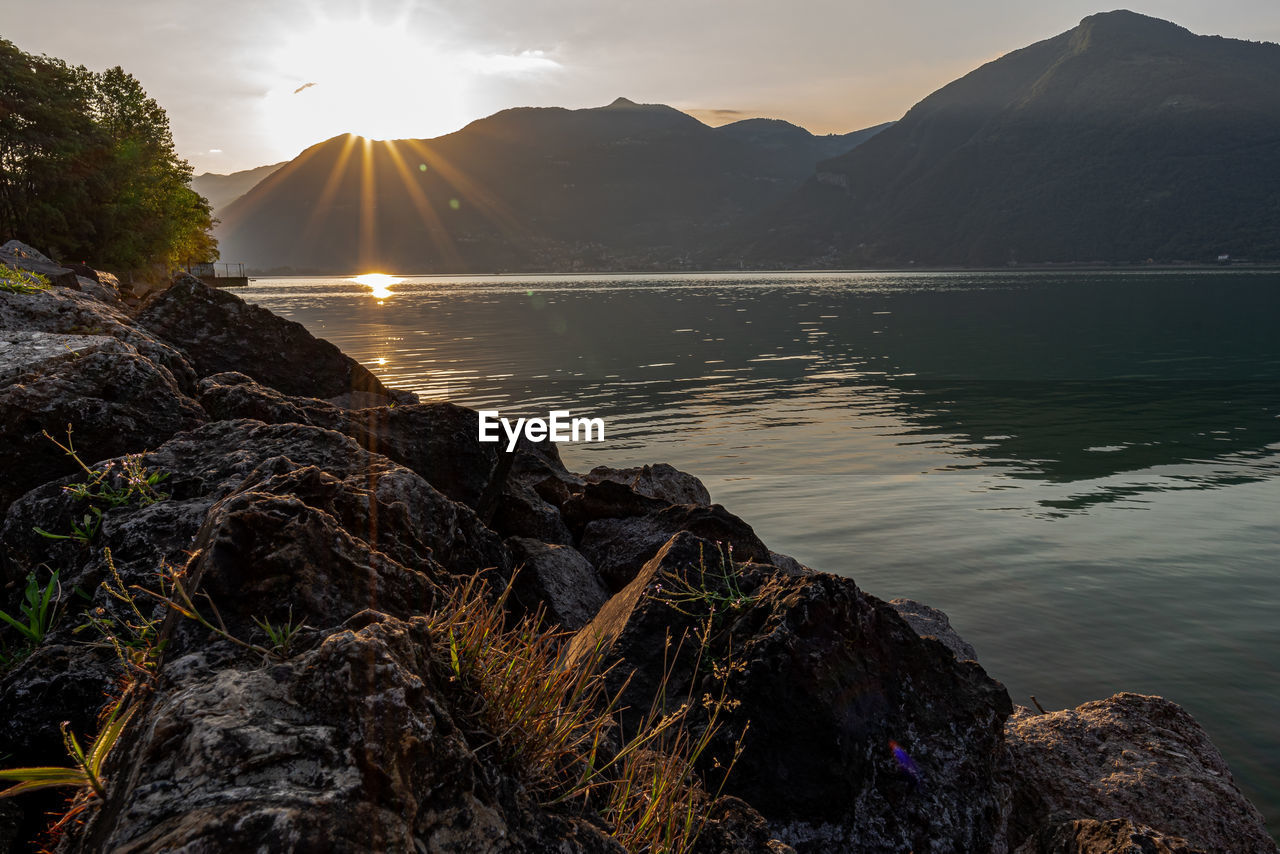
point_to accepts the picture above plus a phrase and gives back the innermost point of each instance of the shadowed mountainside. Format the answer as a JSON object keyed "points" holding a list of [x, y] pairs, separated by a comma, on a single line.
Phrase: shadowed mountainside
{"points": [[222, 190], [628, 185], [1123, 139]]}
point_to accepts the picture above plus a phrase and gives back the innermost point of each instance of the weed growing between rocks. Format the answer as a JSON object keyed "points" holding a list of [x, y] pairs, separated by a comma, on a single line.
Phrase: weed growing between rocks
{"points": [[115, 485], [556, 724], [16, 281], [39, 610]]}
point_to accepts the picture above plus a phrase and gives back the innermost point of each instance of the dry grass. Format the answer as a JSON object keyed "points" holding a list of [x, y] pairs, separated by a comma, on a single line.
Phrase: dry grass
{"points": [[558, 726]]}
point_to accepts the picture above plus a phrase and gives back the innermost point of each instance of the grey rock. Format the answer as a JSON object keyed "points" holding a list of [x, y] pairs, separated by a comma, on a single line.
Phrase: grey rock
{"points": [[20, 256], [232, 395], [23, 352], [350, 746], [829, 680], [221, 332], [660, 481], [1117, 836], [560, 579], [116, 400], [619, 547], [70, 312], [1129, 756], [929, 622]]}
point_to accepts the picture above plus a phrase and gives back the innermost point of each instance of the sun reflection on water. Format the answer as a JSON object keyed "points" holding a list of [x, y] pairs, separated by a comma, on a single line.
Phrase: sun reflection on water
{"points": [[379, 284]]}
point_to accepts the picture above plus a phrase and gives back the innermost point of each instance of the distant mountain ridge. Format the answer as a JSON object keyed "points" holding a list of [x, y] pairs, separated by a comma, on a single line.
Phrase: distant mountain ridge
{"points": [[637, 186], [221, 190], [1126, 138]]}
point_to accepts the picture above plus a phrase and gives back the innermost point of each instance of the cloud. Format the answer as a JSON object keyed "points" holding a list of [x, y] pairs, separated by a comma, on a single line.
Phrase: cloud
{"points": [[303, 86], [525, 62]]}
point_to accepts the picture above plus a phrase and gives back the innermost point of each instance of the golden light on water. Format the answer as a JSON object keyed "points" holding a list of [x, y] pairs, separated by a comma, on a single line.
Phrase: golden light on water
{"points": [[379, 284]]}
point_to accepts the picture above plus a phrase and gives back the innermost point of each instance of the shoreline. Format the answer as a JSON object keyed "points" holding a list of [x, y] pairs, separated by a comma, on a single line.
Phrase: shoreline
{"points": [[306, 483]]}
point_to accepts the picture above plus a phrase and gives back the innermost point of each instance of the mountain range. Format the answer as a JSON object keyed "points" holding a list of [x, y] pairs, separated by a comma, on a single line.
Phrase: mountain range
{"points": [[1124, 139], [639, 186]]}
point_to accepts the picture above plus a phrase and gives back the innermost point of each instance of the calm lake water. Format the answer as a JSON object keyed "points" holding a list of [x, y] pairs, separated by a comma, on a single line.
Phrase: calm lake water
{"points": [[1081, 468]]}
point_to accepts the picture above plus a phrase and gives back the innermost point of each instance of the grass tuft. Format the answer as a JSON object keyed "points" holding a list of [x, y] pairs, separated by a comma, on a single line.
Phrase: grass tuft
{"points": [[15, 281]]}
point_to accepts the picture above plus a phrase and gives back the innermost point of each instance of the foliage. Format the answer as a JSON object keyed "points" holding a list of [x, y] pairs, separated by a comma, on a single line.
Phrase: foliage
{"points": [[133, 636], [118, 483], [86, 774], [17, 281], [88, 170], [281, 635], [38, 610], [557, 725]]}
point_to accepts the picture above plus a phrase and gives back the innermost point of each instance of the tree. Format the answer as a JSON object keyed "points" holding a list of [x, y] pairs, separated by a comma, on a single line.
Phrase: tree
{"points": [[88, 169]]}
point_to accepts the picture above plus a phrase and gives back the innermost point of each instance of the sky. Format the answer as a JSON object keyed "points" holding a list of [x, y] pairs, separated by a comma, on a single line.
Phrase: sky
{"points": [[247, 82]]}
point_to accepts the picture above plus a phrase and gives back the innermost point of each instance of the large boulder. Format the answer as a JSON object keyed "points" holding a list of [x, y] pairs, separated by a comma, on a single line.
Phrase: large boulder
{"points": [[70, 312], [1117, 836], [619, 547], [862, 735], [557, 578], [349, 746], [116, 400], [231, 395], [221, 332], [1132, 757], [19, 256], [660, 481]]}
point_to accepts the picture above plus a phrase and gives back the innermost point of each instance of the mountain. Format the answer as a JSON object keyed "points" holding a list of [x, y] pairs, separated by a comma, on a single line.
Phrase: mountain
{"points": [[1124, 139], [635, 186], [222, 190]]}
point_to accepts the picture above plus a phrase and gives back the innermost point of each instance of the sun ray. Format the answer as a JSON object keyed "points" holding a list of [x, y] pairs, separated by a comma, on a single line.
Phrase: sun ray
{"points": [[367, 245], [472, 193], [435, 227], [322, 204]]}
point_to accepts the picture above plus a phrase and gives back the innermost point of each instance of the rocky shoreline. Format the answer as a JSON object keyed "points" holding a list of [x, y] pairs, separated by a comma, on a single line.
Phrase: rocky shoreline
{"points": [[299, 492]]}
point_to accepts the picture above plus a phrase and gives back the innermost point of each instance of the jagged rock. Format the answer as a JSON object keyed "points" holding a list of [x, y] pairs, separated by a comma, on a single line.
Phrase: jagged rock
{"points": [[618, 548], [116, 400], [20, 256], [347, 747], [440, 442], [1118, 836], [232, 395], [789, 564], [863, 736], [929, 622], [660, 481], [70, 312], [221, 332], [734, 827], [559, 578], [1131, 756], [522, 512], [283, 515]]}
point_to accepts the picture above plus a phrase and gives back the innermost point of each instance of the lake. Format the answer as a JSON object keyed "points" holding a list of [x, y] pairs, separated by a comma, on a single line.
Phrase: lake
{"points": [[1080, 468]]}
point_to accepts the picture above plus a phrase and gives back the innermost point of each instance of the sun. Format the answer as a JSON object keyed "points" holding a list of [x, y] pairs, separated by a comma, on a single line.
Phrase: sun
{"points": [[381, 80]]}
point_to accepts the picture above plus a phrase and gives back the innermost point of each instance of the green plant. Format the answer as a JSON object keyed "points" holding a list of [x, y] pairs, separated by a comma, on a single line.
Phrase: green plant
{"points": [[174, 595], [39, 609], [120, 482], [281, 635], [86, 774], [17, 281], [135, 636]]}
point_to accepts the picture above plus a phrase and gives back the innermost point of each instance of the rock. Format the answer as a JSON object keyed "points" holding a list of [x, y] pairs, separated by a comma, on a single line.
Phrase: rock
{"points": [[789, 565], [862, 737], [232, 395], [439, 441], [734, 827], [1130, 756], [660, 481], [560, 579], [69, 312], [220, 332], [116, 400], [282, 515], [347, 747], [620, 547], [1117, 836], [20, 256], [929, 622], [522, 512]]}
